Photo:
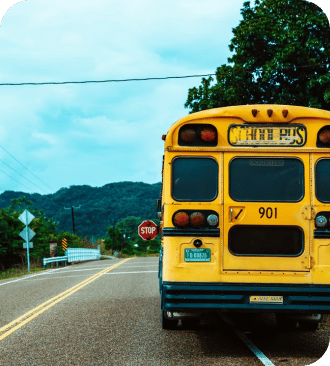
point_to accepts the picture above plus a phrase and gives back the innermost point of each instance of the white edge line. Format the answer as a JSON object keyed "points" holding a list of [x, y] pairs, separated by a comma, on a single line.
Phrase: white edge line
{"points": [[115, 273], [261, 356], [52, 270], [24, 278]]}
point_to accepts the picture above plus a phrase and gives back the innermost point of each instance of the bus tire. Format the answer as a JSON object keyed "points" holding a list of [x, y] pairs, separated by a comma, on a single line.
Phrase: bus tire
{"points": [[284, 323], [308, 326], [190, 323], [168, 324]]}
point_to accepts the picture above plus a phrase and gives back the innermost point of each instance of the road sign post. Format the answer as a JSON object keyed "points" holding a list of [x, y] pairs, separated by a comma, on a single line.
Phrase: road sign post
{"points": [[147, 230], [27, 234]]}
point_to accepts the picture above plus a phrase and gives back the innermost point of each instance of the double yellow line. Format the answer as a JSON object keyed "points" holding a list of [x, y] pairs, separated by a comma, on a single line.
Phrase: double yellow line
{"points": [[27, 317]]}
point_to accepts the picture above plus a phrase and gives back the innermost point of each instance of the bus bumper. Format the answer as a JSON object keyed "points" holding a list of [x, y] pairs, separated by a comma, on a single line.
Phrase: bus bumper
{"points": [[191, 297]]}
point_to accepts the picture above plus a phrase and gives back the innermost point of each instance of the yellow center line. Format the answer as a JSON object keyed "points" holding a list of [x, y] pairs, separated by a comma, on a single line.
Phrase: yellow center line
{"points": [[27, 317]]}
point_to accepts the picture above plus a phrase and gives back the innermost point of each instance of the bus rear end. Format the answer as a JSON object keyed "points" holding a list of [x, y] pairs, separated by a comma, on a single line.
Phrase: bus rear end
{"points": [[246, 214]]}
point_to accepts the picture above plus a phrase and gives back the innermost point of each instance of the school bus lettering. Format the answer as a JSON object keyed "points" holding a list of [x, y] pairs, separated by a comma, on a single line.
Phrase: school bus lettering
{"points": [[245, 135]]}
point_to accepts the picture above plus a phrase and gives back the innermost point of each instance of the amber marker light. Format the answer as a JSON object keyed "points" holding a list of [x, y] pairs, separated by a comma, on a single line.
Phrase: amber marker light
{"points": [[181, 219], [188, 135], [197, 219], [208, 134]]}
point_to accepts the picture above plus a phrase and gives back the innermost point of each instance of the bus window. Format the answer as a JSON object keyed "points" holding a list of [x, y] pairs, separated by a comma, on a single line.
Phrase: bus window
{"points": [[266, 179], [194, 179], [266, 240], [322, 180]]}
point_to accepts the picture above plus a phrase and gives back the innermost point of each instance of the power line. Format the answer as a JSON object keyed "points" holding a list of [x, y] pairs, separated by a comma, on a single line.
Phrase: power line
{"points": [[150, 78], [14, 179], [27, 168], [107, 81], [22, 175]]}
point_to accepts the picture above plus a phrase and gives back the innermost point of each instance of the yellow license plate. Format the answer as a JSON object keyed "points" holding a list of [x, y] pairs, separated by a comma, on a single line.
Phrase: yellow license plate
{"points": [[266, 299]]}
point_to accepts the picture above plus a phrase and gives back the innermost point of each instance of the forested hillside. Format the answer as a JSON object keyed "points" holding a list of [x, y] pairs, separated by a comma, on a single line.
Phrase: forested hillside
{"points": [[99, 206]]}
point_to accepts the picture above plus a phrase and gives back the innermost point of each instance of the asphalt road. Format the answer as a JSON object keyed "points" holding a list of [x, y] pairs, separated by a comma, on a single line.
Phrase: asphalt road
{"points": [[108, 313]]}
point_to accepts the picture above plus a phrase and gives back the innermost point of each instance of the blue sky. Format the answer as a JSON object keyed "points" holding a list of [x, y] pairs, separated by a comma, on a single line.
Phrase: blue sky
{"points": [[100, 133]]}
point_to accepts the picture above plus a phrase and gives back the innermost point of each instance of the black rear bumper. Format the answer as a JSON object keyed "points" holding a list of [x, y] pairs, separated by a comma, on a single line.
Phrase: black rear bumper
{"points": [[185, 297]]}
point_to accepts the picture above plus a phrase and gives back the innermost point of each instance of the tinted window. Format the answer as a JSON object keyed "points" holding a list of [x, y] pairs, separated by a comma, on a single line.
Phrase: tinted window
{"points": [[322, 180], [266, 240], [266, 179], [194, 179]]}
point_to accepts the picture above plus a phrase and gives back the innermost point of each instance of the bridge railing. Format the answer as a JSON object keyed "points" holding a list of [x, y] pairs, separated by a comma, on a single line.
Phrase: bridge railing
{"points": [[82, 254], [75, 255]]}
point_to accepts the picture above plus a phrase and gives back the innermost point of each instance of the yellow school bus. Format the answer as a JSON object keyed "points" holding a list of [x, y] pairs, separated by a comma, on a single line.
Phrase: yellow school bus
{"points": [[245, 214]]}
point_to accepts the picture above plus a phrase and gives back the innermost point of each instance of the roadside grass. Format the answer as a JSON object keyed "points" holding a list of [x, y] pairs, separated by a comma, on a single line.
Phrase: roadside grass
{"points": [[18, 272]]}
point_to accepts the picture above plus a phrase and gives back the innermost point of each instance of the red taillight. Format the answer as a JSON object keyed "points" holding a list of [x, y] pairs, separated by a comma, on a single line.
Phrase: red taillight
{"points": [[324, 135], [181, 219], [197, 219], [208, 134], [188, 135]]}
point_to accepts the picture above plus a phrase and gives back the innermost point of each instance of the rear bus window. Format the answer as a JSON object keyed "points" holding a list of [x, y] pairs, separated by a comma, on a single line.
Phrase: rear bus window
{"points": [[266, 179], [194, 179], [322, 180]]}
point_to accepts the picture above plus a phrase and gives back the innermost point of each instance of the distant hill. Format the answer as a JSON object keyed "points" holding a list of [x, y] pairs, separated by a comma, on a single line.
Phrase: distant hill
{"points": [[99, 205]]}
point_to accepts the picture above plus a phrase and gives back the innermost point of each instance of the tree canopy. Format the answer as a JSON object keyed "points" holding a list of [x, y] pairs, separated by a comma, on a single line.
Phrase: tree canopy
{"points": [[281, 55]]}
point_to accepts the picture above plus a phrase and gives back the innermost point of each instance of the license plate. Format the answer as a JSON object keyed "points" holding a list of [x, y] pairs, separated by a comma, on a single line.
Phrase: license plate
{"points": [[266, 299], [197, 255]]}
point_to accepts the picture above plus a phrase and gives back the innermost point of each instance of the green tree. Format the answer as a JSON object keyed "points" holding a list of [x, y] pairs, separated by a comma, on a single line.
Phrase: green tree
{"points": [[11, 245], [126, 235], [281, 55]]}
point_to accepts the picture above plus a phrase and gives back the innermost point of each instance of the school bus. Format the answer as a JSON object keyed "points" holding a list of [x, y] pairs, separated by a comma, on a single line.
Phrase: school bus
{"points": [[245, 214]]}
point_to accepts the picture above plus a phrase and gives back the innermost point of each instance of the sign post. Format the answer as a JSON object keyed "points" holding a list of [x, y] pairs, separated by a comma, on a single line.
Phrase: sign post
{"points": [[147, 230], [27, 234]]}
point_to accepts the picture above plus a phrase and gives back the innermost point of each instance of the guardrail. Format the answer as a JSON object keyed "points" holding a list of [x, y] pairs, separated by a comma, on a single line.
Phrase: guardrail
{"points": [[45, 261], [82, 254], [75, 255]]}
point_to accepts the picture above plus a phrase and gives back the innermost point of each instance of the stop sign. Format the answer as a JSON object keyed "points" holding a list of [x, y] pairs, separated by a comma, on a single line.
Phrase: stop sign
{"points": [[147, 230]]}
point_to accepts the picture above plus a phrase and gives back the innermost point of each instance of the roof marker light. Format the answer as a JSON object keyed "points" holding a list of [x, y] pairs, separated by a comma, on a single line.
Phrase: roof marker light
{"points": [[254, 112], [285, 113], [269, 112]]}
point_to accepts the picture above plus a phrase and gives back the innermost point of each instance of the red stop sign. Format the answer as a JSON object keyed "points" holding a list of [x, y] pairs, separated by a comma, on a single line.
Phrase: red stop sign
{"points": [[147, 230]]}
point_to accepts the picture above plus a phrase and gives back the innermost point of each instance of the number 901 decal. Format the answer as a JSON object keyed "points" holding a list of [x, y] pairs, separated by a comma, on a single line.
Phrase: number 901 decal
{"points": [[268, 212]]}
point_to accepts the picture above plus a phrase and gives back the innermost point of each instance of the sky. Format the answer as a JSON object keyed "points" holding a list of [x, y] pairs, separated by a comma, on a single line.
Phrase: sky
{"points": [[54, 136]]}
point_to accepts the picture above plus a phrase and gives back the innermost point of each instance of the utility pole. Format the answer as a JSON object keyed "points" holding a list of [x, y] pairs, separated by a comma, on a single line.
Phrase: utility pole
{"points": [[72, 214], [113, 234]]}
